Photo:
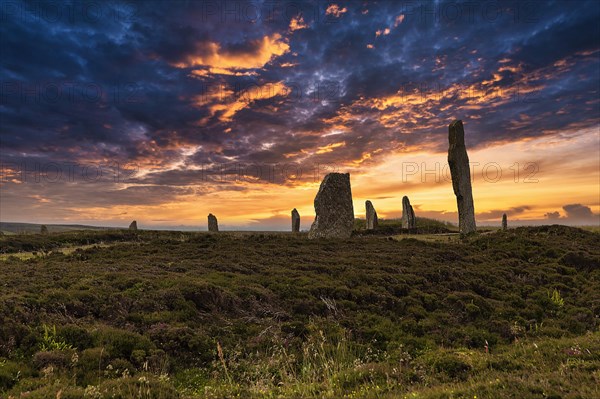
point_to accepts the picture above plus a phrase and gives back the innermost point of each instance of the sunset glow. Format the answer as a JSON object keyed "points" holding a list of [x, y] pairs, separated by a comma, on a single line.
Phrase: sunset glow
{"points": [[164, 114]]}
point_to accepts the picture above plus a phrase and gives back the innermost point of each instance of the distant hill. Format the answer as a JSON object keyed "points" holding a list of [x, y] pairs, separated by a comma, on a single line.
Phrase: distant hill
{"points": [[394, 226], [33, 228]]}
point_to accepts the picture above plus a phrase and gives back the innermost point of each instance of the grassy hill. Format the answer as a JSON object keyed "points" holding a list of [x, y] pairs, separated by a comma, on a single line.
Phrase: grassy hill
{"points": [[394, 226], [196, 315], [33, 228]]}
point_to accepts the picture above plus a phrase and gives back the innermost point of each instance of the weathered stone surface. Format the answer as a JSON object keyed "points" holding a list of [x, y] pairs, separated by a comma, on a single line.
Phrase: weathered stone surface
{"points": [[504, 222], [458, 161], [333, 207], [212, 223], [43, 229], [295, 221], [409, 221], [372, 221], [133, 225]]}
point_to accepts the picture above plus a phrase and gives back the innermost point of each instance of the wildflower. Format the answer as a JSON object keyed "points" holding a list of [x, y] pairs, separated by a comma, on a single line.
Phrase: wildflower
{"points": [[92, 391]]}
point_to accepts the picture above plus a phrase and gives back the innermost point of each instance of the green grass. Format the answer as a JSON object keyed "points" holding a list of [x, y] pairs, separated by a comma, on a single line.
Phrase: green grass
{"points": [[32, 228], [195, 315], [593, 229], [394, 226], [63, 250], [442, 238]]}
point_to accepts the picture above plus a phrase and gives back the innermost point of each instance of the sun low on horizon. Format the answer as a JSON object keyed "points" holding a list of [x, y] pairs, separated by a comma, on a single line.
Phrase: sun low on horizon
{"points": [[163, 112]]}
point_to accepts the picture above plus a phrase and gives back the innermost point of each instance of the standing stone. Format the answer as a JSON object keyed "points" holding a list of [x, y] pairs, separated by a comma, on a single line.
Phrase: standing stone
{"points": [[212, 223], [461, 177], [409, 221], [372, 221], [504, 222], [333, 207], [133, 225], [295, 221], [43, 229]]}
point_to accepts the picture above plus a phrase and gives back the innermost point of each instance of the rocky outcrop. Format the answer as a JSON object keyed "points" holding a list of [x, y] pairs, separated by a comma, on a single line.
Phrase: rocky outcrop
{"points": [[458, 161], [333, 207]]}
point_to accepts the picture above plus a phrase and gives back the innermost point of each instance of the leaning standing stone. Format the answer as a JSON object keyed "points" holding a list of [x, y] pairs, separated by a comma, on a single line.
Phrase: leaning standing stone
{"points": [[43, 229], [295, 221], [333, 207], [133, 225], [461, 177], [372, 221], [504, 222], [212, 223], [408, 214]]}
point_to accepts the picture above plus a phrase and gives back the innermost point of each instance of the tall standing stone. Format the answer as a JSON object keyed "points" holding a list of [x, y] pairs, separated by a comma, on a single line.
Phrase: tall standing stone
{"points": [[504, 222], [372, 221], [409, 221], [43, 229], [133, 225], [212, 223], [458, 161], [333, 207], [295, 221]]}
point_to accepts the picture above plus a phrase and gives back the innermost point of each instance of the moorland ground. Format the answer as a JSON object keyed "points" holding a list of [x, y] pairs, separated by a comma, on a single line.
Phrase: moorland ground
{"points": [[147, 314]]}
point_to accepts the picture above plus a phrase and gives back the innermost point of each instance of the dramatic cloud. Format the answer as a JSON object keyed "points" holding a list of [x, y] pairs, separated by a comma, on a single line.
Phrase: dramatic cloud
{"points": [[180, 88], [578, 211], [575, 214], [552, 215], [250, 55], [335, 10]]}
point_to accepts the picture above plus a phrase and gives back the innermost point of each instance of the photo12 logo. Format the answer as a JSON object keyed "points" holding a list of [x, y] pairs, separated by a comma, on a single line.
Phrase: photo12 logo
{"points": [[73, 12], [490, 172], [66, 172], [17, 92], [247, 92]]}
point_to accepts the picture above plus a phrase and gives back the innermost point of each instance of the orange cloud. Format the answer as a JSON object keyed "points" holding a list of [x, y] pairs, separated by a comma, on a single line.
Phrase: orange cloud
{"points": [[230, 103], [399, 20], [297, 23], [384, 32], [330, 147], [219, 60], [335, 10], [410, 105]]}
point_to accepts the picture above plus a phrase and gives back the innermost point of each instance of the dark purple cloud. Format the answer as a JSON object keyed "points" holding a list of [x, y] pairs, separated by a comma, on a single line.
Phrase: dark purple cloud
{"points": [[136, 81], [578, 211]]}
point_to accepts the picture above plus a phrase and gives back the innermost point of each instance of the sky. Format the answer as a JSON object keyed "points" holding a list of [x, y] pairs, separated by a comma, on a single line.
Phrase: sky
{"points": [[165, 111]]}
